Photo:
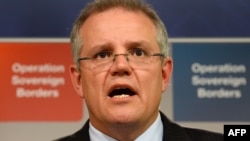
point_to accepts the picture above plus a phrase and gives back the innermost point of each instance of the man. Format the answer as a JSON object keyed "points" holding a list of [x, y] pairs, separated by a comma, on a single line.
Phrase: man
{"points": [[121, 70]]}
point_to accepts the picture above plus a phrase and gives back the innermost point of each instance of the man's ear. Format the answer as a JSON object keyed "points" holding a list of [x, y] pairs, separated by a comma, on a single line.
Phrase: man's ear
{"points": [[76, 79], [167, 69]]}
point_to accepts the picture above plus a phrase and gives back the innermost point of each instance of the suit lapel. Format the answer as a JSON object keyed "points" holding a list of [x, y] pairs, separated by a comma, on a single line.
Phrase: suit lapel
{"points": [[172, 131]]}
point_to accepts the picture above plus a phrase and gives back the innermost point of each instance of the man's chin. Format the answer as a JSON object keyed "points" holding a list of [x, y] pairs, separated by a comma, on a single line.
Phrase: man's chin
{"points": [[124, 119]]}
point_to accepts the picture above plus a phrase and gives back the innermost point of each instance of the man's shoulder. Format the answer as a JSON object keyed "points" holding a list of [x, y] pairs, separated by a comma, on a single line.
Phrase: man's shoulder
{"points": [[200, 135], [80, 135], [173, 131]]}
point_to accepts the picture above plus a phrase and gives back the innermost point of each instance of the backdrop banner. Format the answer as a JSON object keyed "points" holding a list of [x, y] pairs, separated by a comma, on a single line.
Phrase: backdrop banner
{"points": [[35, 83], [211, 81]]}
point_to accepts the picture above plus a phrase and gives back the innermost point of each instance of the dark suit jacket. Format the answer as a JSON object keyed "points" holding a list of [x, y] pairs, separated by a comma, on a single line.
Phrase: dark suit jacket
{"points": [[172, 132]]}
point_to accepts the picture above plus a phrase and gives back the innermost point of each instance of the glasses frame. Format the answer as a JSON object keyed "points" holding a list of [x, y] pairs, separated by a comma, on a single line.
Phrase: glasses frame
{"points": [[124, 54]]}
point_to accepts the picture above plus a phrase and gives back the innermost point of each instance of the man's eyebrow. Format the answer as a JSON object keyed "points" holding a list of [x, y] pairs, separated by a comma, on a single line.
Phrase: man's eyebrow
{"points": [[105, 46], [128, 45], [137, 44]]}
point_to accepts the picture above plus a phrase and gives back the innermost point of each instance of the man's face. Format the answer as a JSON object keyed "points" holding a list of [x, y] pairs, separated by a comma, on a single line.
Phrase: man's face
{"points": [[123, 94]]}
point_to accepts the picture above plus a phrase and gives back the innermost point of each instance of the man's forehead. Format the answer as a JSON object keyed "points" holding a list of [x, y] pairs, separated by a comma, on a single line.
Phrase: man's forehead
{"points": [[118, 11], [137, 28]]}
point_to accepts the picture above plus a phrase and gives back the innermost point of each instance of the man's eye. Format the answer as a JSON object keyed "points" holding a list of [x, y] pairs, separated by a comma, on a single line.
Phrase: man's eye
{"points": [[102, 55], [138, 53]]}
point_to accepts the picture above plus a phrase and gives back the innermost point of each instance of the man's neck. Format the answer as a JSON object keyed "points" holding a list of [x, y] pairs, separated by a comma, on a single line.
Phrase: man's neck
{"points": [[130, 133]]}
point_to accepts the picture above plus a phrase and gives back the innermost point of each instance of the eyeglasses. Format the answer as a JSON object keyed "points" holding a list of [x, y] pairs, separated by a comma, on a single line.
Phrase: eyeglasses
{"points": [[137, 59]]}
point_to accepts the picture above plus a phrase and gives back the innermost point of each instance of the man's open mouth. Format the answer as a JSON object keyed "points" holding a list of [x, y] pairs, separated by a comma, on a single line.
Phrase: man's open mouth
{"points": [[121, 93]]}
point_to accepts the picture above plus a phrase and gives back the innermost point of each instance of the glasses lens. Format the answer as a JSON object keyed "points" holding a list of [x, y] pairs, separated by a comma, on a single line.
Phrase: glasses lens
{"points": [[138, 61]]}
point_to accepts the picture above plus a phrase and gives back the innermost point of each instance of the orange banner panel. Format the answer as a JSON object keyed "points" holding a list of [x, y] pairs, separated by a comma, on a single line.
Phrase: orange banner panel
{"points": [[35, 84]]}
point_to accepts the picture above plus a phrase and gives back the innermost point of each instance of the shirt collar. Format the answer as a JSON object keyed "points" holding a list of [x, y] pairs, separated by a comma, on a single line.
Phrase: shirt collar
{"points": [[153, 133]]}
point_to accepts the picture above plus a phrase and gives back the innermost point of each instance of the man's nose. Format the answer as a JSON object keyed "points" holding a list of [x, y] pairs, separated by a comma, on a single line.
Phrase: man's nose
{"points": [[121, 65]]}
